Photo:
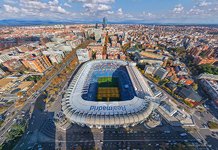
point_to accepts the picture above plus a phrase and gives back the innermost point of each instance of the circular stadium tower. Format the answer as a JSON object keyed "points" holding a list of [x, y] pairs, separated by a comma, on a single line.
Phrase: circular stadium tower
{"points": [[108, 93]]}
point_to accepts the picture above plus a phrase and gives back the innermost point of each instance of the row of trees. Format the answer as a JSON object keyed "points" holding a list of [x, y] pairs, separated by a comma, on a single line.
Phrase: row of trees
{"points": [[208, 68], [57, 80], [13, 136], [33, 78], [169, 91], [198, 69]]}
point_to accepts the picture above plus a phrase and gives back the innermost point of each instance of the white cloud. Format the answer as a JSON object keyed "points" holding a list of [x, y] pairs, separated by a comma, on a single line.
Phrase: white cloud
{"points": [[94, 1], [11, 9], [52, 6], [178, 8], [147, 14], [110, 12], [120, 11], [103, 7], [58, 9], [9, 1], [204, 9], [96, 7], [204, 3], [67, 5], [91, 7], [194, 11], [54, 2]]}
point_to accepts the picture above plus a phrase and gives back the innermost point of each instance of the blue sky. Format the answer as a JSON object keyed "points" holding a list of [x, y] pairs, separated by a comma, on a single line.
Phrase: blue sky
{"points": [[148, 11]]}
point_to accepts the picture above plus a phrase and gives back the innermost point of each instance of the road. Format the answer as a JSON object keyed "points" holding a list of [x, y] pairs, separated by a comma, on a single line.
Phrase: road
{"points": [[44, 132], [200, 118], [29, 102], [39, 118], [137, 137]]}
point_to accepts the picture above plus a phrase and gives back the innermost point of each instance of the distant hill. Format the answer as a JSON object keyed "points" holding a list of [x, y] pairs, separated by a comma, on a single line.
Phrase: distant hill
{"points": [[16, 22]]}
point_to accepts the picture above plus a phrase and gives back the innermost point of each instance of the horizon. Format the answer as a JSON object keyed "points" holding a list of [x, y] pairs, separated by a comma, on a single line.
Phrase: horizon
{"points": [[20, 22]]}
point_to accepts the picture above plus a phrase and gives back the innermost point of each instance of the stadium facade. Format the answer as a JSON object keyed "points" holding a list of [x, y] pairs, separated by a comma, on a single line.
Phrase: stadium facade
{"points": [[85, 104]]}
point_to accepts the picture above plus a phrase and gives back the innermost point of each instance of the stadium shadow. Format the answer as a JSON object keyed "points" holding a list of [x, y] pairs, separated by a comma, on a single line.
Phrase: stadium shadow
{"points": [[140, 137], [79, 138], [212, 142], [41, 130]]}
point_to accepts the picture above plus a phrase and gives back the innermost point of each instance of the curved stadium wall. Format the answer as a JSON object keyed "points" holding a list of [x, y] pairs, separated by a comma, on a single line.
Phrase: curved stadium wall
{"points": [[83, 105]]}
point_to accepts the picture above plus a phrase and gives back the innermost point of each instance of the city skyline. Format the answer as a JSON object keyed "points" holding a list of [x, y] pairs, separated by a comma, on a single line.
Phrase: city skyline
{"points": [[133, 11], [121, 86]]}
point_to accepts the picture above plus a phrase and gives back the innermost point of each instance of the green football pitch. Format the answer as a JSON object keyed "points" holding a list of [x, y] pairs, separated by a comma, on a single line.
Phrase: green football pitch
{"points": [[108, 89], [108, 82]]}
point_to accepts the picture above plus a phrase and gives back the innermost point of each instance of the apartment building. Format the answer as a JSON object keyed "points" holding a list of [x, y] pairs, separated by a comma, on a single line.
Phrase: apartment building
{"points": [[39, 63]]}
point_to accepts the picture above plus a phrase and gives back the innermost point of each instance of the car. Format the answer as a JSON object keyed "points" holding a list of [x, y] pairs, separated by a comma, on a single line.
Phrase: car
{"points": [[167, 132], [39, 147], [183, 134], [205, 106], [30, 147], [205, 126]]}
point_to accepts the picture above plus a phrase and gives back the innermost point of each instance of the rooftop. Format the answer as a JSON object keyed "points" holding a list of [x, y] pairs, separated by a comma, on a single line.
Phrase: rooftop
{"points": [[5, 81], [208, 76]]}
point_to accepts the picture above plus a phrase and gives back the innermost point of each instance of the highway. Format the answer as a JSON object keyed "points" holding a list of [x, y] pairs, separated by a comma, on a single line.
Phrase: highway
{"points": [[31, 100]]}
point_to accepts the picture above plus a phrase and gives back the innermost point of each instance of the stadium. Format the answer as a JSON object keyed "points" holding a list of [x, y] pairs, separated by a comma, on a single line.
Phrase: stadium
{"points": [[108, 93]]}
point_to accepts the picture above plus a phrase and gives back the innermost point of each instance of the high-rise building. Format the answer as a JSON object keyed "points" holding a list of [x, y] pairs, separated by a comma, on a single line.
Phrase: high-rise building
{"points": [[39, 63], [104, 22], [96, 26]]}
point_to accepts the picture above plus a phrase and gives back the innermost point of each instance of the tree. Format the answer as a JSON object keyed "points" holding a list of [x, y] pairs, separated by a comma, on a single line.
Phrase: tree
{"points": [[46, 100], [19, 94], [195, 86], [51, 92], [16, 131]]}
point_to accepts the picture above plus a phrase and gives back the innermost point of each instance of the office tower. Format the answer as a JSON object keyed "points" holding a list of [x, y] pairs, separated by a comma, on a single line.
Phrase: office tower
{"points": [[104, 22]]}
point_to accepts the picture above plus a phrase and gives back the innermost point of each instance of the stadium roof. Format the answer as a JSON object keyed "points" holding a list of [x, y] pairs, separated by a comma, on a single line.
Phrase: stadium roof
{"points": [[116, 113]]}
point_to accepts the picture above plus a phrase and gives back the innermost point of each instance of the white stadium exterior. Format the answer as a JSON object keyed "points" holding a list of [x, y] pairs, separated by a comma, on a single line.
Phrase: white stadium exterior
{"points": [[107, 114]]}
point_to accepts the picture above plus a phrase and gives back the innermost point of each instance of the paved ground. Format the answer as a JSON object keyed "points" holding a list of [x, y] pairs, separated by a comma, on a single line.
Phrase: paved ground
{"points": [[42, 131]]}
